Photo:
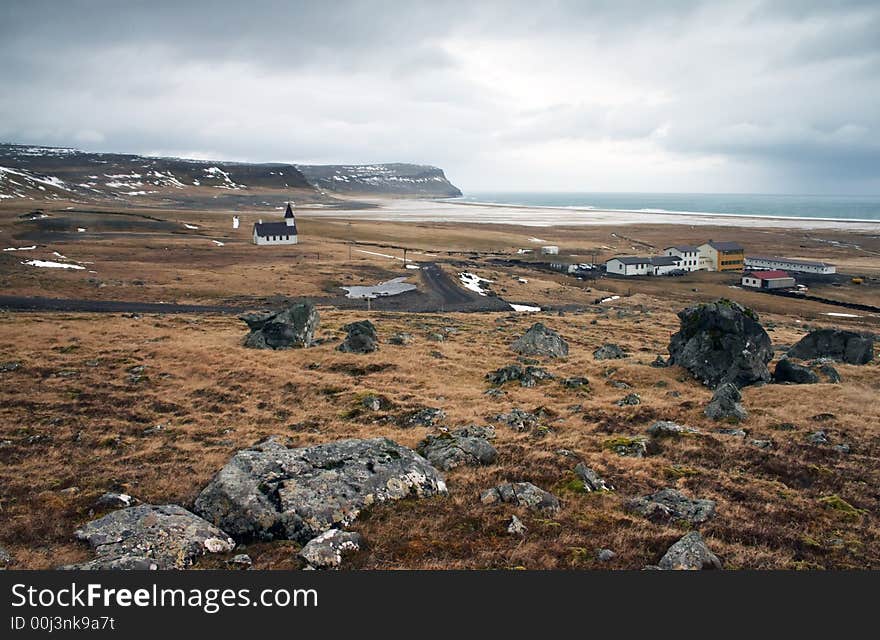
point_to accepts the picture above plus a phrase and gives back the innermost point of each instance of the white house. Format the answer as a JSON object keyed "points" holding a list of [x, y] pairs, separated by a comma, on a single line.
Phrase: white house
{"points": [[789, 264], [277, 232], [767, 280], [630, 266], [549, 250], [663, 265], [643, 265], [689, 254]]}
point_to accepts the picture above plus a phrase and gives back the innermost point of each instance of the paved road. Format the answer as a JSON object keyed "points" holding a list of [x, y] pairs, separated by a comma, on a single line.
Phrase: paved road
{"points": [[22, 303]]}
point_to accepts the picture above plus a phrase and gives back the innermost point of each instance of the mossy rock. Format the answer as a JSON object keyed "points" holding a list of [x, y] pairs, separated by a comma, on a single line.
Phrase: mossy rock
{"points": [[840, 505]]}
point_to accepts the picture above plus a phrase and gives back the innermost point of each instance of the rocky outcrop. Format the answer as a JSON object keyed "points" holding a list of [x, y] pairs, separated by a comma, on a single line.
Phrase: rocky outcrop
{"points": [[590, 479], [669, 505], [523, 494], [426, 417], [167, 536], [516, 527], [609, 352], [844, 346], [726, 404], [290, 328], [517, 419], [361, 337], [788, 372], [270, 491], [326, 551], [627, 447], [527, 376], [721, 342], [690, 553], [466, 446], [668, 429], [541, 341]]}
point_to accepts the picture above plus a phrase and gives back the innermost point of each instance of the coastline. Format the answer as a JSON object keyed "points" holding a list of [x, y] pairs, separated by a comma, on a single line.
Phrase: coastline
{"points": [[443, 210]]}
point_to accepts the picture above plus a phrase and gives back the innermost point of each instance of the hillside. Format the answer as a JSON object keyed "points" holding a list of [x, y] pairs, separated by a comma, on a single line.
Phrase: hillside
{"points": [[62, 174], [381, 179]]}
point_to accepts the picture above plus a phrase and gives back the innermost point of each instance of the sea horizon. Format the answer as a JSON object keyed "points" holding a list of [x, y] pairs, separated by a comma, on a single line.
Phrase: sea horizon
{"points": [[858, 208]]}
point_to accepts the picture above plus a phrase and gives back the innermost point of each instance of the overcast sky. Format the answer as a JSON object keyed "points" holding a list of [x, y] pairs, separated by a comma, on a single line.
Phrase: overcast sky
{"points": [[680, 95]]}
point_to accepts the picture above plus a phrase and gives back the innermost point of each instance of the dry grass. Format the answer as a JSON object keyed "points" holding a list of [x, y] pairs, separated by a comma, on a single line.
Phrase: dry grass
{"points": [[212, 396]]}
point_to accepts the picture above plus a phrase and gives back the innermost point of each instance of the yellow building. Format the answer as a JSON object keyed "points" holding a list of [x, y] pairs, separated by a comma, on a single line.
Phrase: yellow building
{"points": [[722, 256]]}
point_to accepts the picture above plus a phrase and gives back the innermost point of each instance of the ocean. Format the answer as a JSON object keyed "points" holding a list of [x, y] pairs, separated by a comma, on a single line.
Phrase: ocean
{"points": [[866, 208]]}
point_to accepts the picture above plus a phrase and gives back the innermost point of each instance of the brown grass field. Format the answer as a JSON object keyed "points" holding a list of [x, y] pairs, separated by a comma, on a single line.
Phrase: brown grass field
{"points": [[74, 422]]}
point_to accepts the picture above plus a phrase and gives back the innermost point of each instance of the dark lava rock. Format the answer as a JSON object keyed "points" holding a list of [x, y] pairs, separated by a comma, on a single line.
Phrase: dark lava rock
{"points": [[400, 339], [517, 419], [293, 327], [818, 437], [361, 337], [609, 352], [5, 558], [722, 342], [788, 372], [326, 551], [627, 447], [630, 399], [659, 362], [427, 417], [844, 346], [575, 383], [667, 429], [826, 370], [737, 433], [669, 505], [523, 494], [168, 536], [459, 447], [690, 553], [112, 500], [540, 341], [527, 376], [272, 492], [592, 481], [725, 404]]}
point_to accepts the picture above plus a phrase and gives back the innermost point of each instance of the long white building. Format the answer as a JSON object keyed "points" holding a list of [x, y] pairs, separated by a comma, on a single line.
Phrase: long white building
{"points": [[789, 264]]}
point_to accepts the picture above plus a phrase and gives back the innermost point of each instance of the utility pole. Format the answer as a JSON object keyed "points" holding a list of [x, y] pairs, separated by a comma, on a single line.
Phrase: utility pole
{"points": [[404, 256], [368, 302]]}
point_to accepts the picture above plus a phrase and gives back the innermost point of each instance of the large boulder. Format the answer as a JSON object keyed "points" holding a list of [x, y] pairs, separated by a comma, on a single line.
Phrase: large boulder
{"points": [[270, 491], [540, 341], [167, 536], [360, 337], [670, 505], [722, 342], [690, 553], [290, 328], [523, 494], [844, 346], [788, 372], [466, 446], [726, 404]]}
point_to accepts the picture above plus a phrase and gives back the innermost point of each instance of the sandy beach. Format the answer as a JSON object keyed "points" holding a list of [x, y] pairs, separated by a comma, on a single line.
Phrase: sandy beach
{"points": [[412, 210]]}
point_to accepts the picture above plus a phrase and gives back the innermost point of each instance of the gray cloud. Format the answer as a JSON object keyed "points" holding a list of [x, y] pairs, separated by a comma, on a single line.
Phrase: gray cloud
{"points": [[684, 96]]}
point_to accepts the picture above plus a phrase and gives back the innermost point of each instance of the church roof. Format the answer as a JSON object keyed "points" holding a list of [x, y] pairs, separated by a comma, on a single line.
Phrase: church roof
{"points": [[289, 212], [266, 229]]}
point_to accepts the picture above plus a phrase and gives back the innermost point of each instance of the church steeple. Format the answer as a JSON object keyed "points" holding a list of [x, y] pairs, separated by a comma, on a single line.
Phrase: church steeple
{"points": [[288, 216]]}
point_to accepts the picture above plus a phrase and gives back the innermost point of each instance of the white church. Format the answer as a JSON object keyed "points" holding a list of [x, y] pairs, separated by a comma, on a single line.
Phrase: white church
{"points": [[277, 232]]}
